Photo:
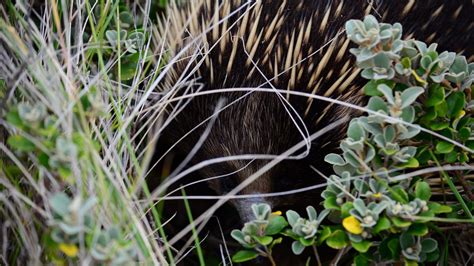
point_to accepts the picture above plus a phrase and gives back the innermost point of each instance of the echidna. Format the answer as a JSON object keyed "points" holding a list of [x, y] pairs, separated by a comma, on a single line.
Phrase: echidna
{"points": [[290, 45]]}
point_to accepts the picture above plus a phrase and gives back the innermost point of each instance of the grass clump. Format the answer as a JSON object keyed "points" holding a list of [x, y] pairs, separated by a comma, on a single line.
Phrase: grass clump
{"points": [[71, 171], [79, 123]]}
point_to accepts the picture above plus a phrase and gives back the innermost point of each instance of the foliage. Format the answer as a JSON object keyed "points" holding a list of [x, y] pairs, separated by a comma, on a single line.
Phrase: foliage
{"points": [[70, 166], [385, 215]]}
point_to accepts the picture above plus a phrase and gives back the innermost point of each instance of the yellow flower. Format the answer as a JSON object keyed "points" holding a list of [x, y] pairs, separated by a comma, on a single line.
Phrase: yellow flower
{"points": [[377, 195], [69, 249], [277, 213], [418, 78], [352, 225], [461, 114]]}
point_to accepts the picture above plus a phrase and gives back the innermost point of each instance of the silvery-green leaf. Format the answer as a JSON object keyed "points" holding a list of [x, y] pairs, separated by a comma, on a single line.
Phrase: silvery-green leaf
{"points": [[408, 114], [327, 193], [409, 150], [238, 235], [376, 103], [409, 95], [459, 65], [368, 73], [312, 214], [382, 61], [138, 38], [126, 19], [86, 206], [370, 154], [323, 215], [292, 217], [397, 47], [387, 92], [379, 207], [297, 247], [70, 229], [401, 70], [438, 78], [96, 254], [57, 235], [380, 140], [349, 144], [360, 207], [60, 203], [339, 169], [389, 133], [422, 47], [429, 245], [114, 233], [383, 73], [370, 22], [361, 186], [261, 211], [335, 159], [372, 128], [365, 58], [355, 131], [111, 36], [410, 133]]}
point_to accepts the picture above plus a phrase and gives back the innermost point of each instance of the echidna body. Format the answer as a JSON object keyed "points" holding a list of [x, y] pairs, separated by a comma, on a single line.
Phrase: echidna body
{"points": [[287, 46]]}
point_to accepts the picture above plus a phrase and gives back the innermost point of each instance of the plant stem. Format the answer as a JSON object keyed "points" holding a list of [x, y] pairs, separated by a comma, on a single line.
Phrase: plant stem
{"points": [[268, 252], [453, 188], [315, 249], [465, 185], [339, 254]]}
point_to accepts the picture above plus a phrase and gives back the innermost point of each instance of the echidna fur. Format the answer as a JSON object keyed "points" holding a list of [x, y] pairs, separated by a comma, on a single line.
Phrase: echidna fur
{"points": [[290, 46]]}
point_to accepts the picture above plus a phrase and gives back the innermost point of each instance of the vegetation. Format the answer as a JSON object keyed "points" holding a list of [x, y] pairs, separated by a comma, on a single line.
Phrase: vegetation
{"points": [[73, 159], [420, 114]]}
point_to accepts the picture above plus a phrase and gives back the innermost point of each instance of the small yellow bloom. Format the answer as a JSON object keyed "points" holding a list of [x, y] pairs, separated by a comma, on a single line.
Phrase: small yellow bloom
{"points": [[377, 195], [352, 225], [69, 249], [461, 114], [418, 78], [277, 213]]}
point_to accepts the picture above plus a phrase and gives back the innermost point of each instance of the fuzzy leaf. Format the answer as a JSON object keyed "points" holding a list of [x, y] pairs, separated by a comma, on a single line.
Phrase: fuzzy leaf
{"points": [[21, 143], [382, 224], [356, 131], [418, 229], [429, 245], [275, 225], [244, 255], [423, 191], [399, 222], [406, 240], [435, 96], [297, 247], [329, 203], [60, 203], [337, 240], [455, 103], [387, 92], [362, 246], [334, 159], [263, 240], [444, 147], [409, 95], [399, 194], [292, 216]]}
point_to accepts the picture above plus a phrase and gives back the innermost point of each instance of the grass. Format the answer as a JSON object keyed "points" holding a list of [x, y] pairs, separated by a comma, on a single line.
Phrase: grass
{"points": [[88, 142]]}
